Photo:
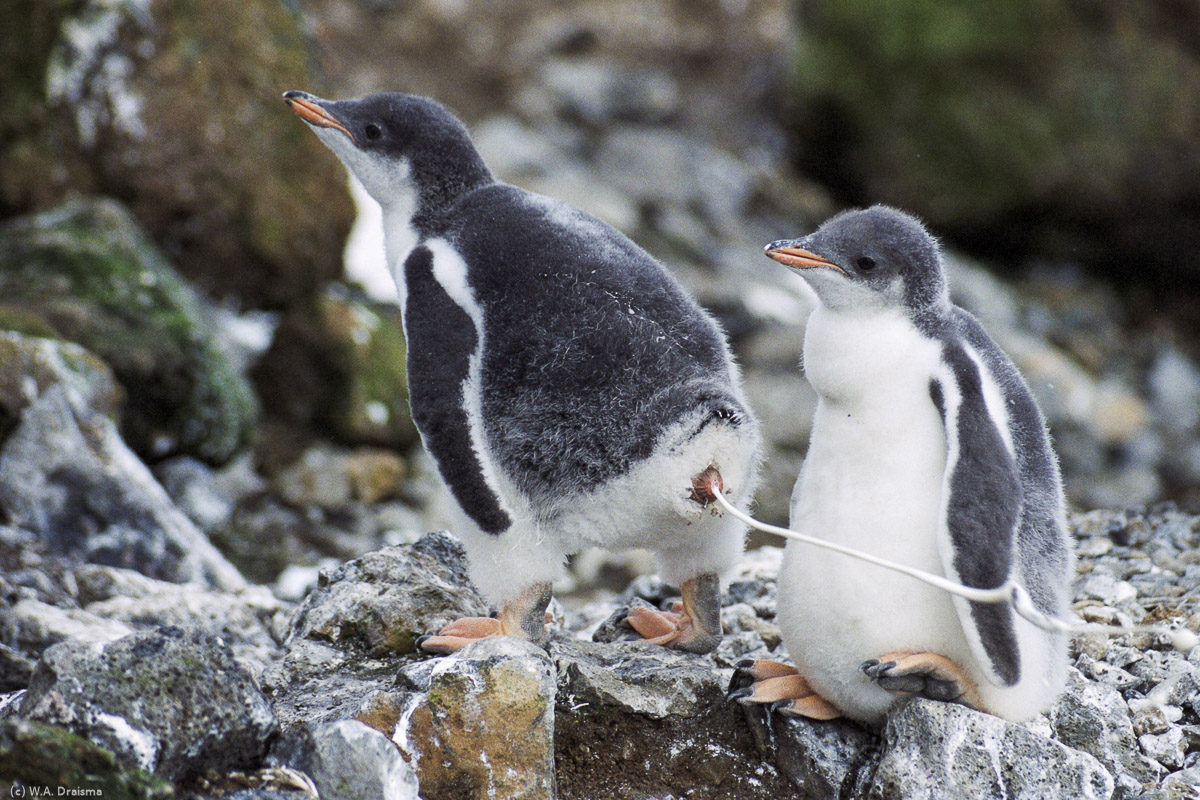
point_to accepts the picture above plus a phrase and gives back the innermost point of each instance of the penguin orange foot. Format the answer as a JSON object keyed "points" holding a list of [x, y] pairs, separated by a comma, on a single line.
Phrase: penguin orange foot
{"points": [[524, 618], [925, 674], [781, 686], [694, 624], [568, 389]]}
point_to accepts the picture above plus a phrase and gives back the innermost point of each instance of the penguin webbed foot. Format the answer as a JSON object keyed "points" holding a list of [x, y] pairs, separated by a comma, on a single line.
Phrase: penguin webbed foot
{"points": [[693, 624], [460, 633], [781, 688], [526, 618], [926, 675]]}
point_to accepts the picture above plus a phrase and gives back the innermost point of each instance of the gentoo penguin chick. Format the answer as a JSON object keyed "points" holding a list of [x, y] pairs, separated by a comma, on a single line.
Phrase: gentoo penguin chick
{"points": [[927, 449], [570, 392]]}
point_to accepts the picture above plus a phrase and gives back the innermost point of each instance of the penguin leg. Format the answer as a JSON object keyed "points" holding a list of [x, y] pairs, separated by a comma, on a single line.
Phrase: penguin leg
{"points": [[524, 618], [926, 674], [780, 685], [694, 625]]}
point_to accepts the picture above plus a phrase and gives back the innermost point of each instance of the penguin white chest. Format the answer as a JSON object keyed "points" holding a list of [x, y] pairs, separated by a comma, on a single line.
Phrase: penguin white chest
{"points": [[872, 480]]}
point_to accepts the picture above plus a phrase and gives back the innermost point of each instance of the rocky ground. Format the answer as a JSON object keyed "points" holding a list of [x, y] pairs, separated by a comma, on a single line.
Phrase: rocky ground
{"points": [[213, 513], [151, 688]]}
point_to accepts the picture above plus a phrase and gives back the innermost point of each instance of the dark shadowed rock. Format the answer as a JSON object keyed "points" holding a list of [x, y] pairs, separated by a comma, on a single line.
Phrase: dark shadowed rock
{"points": [[822, 759], [347, 761], [171, 702], [635, 720], [337, 364], [1041, 127]]}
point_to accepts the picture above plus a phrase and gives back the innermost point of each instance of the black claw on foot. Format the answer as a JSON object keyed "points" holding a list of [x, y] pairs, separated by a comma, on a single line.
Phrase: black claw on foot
{"points": [[423, 639], [737, 695], [876, 669], [742, 678], [782, 707]]}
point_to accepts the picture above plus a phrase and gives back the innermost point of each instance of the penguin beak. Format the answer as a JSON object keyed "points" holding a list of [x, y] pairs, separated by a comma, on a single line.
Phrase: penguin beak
{"points": [[309, 109], [789, 253]]}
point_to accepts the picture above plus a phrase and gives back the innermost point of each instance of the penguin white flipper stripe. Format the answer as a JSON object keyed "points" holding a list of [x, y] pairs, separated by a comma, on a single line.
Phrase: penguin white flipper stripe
{"points": [[983, 501], [436, 400]]}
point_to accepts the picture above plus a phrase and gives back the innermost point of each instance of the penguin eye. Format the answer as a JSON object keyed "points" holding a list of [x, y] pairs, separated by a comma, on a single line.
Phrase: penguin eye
{"points": [[865, 263], [372, 131]]}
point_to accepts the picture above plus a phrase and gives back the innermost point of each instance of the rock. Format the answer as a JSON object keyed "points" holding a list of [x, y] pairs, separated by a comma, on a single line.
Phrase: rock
{"points": [[66, 476], [1093, 718], [380, 603], [208, 497], [347, 761], [317, 683], [46, 757], [248, 620], [483, 724], [337, 363], [31, 364], [942, 750], [89, 273], [636, 720], [171, 702], [129, 519], [122, 99], [35, 626], [822, 759]]}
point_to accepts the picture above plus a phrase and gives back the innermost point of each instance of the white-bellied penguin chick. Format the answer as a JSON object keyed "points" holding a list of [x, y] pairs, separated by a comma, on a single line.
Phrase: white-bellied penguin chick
{"points": [[927, 449], [568, 389]]}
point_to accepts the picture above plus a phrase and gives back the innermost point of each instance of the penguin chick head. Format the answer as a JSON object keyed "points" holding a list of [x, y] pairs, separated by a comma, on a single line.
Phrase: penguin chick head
{"points": [[868, 259], [396, 144]]}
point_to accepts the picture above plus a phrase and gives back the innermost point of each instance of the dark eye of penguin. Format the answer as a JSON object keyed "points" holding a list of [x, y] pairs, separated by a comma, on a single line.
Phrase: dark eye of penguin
{"points": [[865, 263], [372, 131]]}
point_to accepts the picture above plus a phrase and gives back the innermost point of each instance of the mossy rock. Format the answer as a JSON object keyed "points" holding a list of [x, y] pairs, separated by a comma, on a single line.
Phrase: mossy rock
{"points": [[1056, 128], [45, 756], [338, 365], [88, 273], [174, 106]]}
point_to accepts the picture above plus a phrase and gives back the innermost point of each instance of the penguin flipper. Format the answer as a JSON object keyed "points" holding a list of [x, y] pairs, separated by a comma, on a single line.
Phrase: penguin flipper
{"points": [[981, 508], [441, 338]]}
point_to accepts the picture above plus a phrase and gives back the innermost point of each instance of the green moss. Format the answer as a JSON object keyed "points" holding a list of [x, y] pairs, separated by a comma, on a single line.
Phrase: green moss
{"points": [[86, 273]]}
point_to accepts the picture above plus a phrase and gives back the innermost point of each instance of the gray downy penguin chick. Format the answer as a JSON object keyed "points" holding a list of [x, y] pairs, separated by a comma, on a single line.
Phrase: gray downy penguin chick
{"points": [[927, 449], [570, 392]]}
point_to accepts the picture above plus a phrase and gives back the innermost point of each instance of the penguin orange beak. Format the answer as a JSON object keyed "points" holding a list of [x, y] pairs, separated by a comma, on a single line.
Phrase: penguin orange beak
{"points": [[306, 107], [791, 255]]}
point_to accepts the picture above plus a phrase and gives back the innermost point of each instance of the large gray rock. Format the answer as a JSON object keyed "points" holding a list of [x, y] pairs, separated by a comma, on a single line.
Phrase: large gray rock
{"points": [[67, 476], [347, 761], [942, 751], [380, 603], [171, 702]]}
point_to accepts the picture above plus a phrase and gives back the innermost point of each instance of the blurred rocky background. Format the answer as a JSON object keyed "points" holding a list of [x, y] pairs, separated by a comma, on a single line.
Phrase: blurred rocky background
{"points": [[202, 388]]}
